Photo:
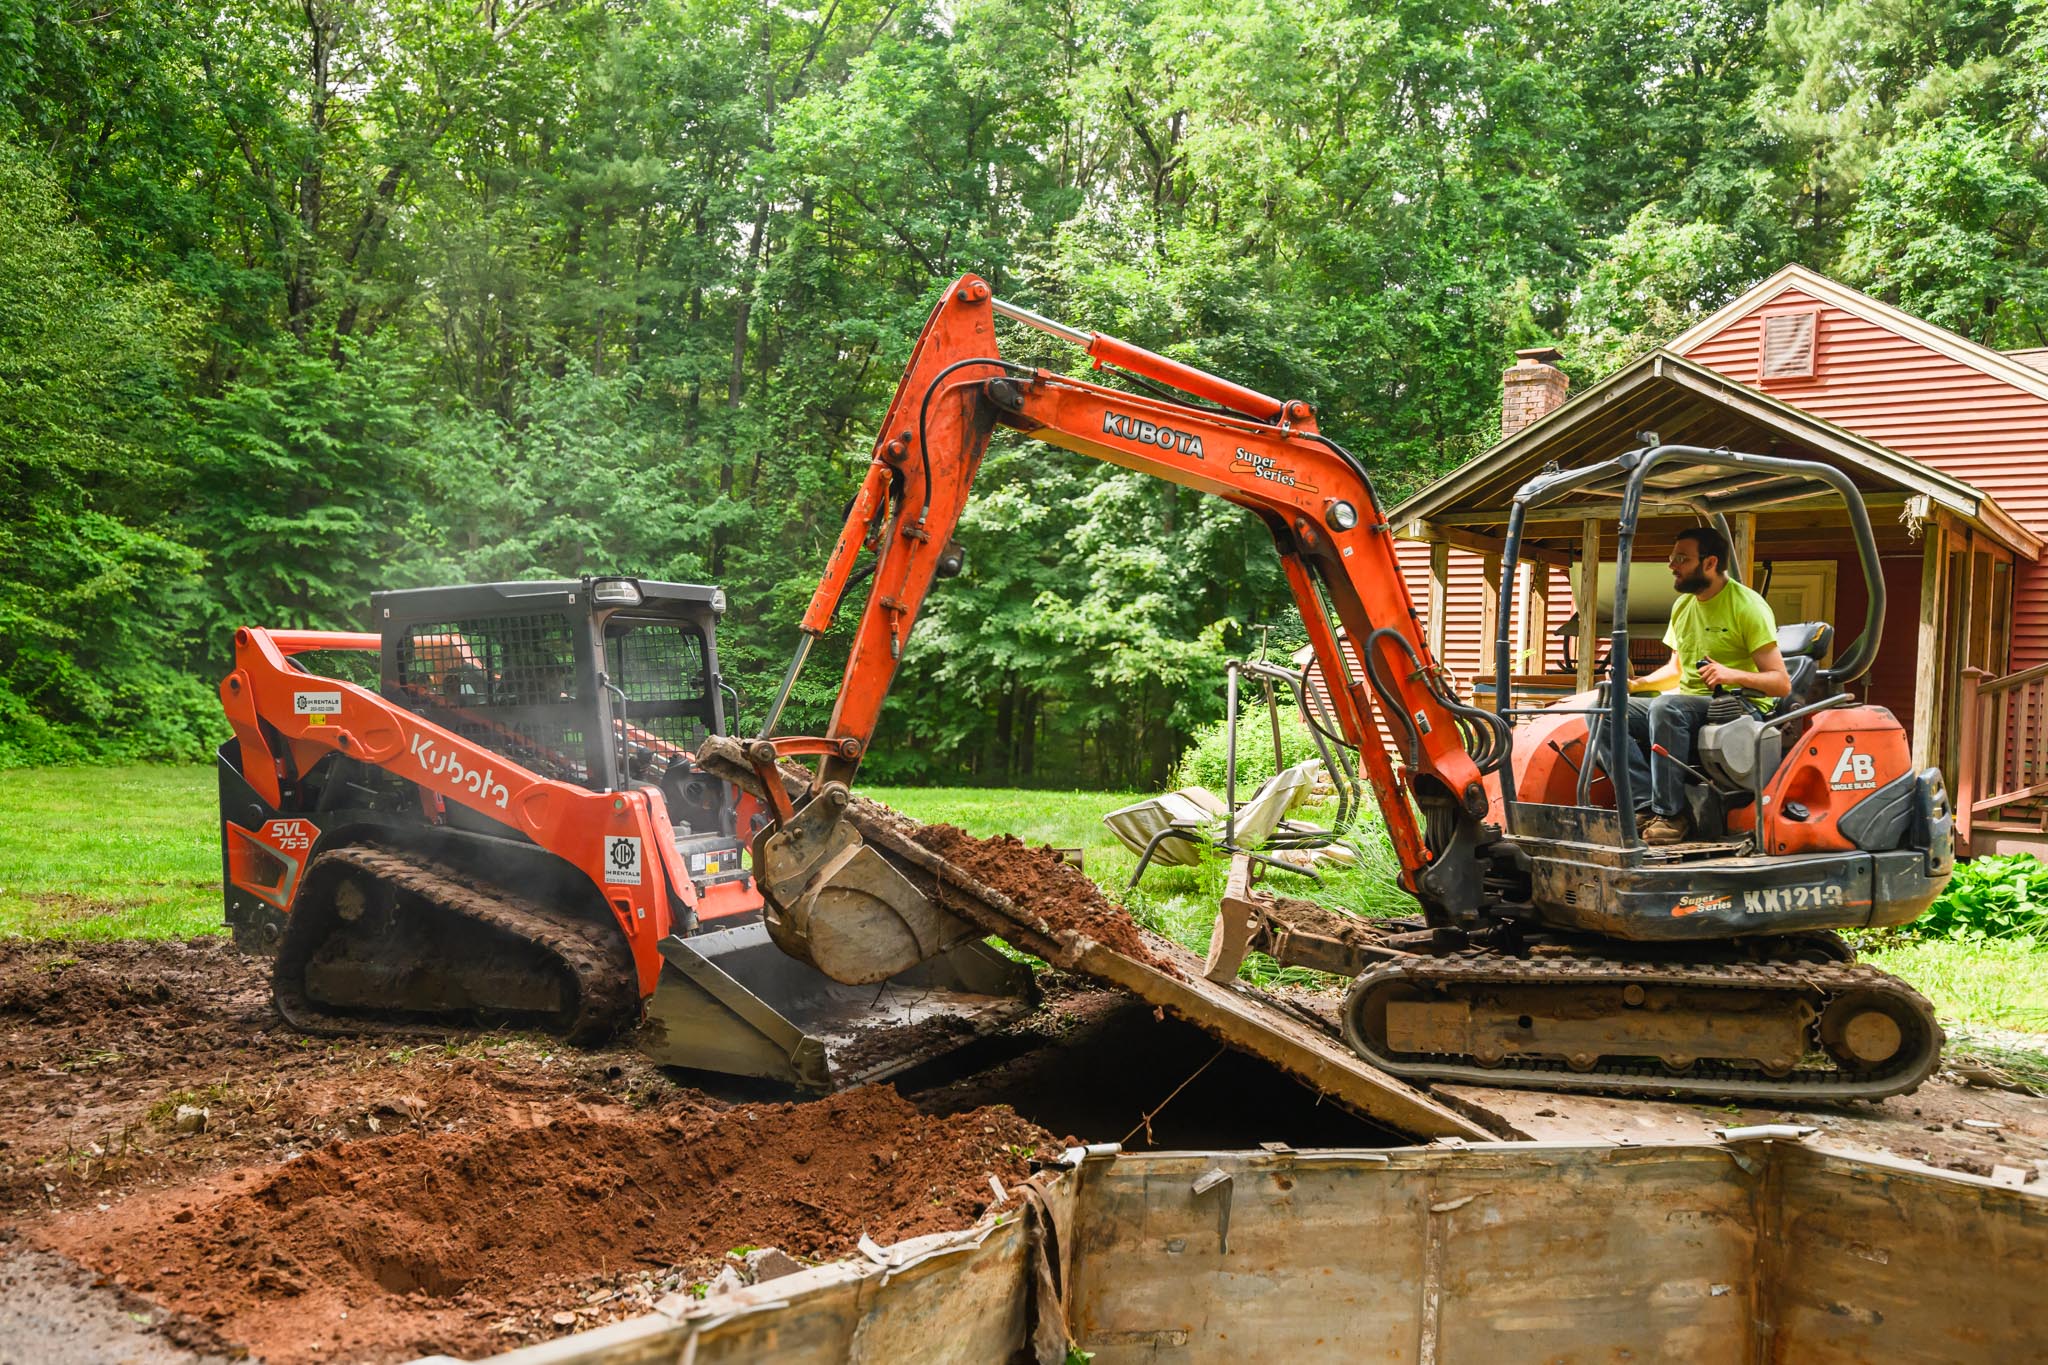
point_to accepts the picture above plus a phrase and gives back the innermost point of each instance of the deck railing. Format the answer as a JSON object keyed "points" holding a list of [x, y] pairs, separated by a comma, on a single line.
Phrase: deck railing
{"points": [[2002, 753]]}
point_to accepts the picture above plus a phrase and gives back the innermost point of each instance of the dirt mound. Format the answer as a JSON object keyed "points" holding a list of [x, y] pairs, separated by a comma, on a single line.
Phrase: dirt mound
{"points": [[397, 1246], [1046, 885], [101, 1044], [1312, 918], [86, 983]]}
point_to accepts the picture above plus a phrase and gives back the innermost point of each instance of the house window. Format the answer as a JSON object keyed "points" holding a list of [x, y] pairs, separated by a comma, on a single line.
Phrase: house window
{"points": [[1789, 341]]}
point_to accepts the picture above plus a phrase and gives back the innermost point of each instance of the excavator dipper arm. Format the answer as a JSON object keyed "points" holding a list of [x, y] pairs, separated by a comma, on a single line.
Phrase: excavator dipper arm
{"points": [[1262, 453]]}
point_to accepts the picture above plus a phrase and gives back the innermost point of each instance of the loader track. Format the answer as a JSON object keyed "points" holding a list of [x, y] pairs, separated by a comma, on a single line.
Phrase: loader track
{"points": [[1804, 990], [415, 927]]}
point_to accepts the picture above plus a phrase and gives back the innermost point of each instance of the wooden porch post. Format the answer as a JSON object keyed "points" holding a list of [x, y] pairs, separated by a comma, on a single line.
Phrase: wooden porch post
{"points": [[1967, 763], [1489, 620], [1744, 527], [1439, 598], [1588, 599], [1536, 625], [1927, 661]]}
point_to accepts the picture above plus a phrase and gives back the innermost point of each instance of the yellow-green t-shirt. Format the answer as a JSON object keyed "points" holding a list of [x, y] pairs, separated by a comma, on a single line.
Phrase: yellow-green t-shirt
{"points": [[1729, 628]]}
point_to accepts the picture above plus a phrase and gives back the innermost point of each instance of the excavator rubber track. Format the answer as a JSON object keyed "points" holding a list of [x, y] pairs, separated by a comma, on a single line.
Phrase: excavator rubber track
{"points": [[385, 941], [1859, 1033]]}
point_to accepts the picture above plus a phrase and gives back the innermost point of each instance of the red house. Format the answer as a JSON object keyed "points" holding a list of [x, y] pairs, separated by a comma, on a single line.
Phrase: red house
{"points": [[1948, 442]]}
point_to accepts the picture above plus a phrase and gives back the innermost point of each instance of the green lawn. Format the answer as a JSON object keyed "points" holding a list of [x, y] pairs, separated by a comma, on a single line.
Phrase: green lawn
{"points": [[133, 852], [109, 852]]}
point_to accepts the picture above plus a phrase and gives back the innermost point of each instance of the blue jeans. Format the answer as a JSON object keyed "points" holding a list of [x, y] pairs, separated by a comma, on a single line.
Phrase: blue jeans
{"points": [[1673, 720]]}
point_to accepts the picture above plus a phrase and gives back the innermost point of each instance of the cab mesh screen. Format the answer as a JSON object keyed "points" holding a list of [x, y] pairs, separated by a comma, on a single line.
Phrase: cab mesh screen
{"points": [[661, 668], [507, 683]]}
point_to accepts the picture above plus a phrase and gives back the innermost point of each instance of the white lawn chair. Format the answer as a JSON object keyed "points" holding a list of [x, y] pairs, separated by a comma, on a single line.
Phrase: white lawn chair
{"points": [[1175, 828]]}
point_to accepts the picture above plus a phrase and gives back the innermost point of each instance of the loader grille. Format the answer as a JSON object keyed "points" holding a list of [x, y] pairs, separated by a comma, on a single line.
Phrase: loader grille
{"points": [[505, 682], [662, 669]]}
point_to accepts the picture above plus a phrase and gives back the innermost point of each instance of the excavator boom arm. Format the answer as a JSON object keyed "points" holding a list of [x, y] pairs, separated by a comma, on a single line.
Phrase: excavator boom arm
{"points": [[1263, 454]]}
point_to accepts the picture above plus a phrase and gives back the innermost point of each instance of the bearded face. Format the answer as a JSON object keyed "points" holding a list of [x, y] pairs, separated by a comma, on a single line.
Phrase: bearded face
{"points": [[1688, 570]]}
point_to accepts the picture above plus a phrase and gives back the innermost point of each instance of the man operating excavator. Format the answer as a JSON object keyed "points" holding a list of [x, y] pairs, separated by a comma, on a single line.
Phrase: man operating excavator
{"points": [[1722, 635]]}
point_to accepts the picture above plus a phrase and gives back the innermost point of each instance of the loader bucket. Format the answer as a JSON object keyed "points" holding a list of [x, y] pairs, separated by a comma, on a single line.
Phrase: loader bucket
{"points": [[732, 1001]]}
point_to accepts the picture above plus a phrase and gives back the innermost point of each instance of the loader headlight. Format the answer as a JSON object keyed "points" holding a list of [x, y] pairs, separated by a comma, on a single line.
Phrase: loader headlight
{"points": [[718, 601], [615, 592], [1342, 516]]}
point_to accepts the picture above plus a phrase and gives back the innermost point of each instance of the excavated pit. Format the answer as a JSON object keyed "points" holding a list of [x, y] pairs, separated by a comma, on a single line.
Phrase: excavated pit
{"points": [[1107, 1068], [355, 1199], [478, 1192]]}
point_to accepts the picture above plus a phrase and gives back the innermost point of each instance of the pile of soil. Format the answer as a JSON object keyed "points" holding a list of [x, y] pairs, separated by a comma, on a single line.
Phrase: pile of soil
{"points": [[390, 1247], [102, 1043], [1046, 885], [1308, 917]]}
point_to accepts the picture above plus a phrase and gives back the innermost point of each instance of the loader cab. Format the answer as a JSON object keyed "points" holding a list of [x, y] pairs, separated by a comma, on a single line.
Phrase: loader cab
{"points": [[606, 682], [1808, 816]]}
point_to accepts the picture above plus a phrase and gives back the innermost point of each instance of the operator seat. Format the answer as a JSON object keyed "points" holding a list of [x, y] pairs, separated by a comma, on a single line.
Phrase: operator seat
{"points": [[1804, 646]]}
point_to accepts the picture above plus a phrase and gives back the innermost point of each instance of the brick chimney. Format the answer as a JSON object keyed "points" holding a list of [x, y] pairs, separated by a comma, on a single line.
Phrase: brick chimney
{"points": [[1533, 388]]}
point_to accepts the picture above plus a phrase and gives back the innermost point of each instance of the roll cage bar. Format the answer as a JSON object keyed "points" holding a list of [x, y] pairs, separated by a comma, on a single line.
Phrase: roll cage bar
{"points": [[1753, 481]]}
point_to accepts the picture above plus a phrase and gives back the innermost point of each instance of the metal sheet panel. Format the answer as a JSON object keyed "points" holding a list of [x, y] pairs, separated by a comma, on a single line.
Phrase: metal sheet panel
{"points": [[1495, 1253], [1753, 1251], [1873, 1259]]}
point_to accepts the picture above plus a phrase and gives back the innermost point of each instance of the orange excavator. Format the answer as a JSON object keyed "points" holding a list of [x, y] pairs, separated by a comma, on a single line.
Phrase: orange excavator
{"points": [[1555, 948]]}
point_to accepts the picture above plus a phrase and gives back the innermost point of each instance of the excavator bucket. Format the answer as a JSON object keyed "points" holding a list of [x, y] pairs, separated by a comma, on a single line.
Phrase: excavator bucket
{"points": [[837, 904], [733, 1001]]}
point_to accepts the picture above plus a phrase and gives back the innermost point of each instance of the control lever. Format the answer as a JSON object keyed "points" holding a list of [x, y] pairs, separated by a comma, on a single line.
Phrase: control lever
{"points": [[1667, 754]]}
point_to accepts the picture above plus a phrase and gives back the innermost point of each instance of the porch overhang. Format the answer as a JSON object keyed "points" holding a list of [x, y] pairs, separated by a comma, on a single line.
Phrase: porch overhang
{"points": [[1665, 397]]}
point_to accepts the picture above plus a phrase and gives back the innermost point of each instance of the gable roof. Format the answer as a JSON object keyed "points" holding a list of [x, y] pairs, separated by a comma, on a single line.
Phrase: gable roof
{"points": [[1939, 339], [1490, 478]]}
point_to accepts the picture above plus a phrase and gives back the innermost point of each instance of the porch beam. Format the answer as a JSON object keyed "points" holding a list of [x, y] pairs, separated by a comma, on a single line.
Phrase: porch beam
{"points": [[1560, 514], [1435, 533]]}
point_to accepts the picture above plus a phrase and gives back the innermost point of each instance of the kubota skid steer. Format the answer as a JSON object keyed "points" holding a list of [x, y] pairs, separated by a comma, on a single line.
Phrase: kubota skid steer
{"points": [[508, 825]]}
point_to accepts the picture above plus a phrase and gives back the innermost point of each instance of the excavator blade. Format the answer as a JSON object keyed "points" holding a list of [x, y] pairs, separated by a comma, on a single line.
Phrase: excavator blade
{"points": [[733, 1001]]}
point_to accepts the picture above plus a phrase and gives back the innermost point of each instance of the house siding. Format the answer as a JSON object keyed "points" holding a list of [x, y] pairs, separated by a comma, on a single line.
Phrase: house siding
{"points": [[1464, 653], [1891, 389]]}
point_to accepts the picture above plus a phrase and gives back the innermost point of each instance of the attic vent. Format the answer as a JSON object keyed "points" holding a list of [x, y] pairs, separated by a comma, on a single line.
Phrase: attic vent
{"points": [[1788, 345]]}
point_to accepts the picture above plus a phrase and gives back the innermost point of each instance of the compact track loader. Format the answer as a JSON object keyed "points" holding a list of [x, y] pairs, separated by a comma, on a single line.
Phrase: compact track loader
{"points": [[501, 820]]}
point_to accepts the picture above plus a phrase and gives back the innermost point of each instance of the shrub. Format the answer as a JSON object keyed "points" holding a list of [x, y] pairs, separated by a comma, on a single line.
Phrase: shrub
{"points": [[1203, 764], [1996, 896]]}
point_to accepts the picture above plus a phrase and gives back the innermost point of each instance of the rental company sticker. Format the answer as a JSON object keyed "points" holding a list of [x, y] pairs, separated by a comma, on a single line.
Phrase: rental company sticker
{"points": [[622, 859], [316, 703]]}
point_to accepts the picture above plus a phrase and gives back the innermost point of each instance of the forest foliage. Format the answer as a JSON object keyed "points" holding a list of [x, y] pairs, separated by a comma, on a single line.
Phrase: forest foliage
{"points": [[298, 300]]}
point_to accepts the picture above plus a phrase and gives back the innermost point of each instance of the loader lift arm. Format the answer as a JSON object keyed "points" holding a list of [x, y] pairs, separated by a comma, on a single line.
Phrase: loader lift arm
{"points": [[1262, 453]]}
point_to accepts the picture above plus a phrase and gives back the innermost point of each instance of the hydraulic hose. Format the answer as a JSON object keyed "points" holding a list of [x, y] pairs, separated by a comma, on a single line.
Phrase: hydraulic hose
{"points": [[1487, 738], [924, 408]]}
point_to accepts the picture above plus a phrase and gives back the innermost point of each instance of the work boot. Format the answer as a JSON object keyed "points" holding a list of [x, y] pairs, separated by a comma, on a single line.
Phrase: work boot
{"points": [[1667, 829]]}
